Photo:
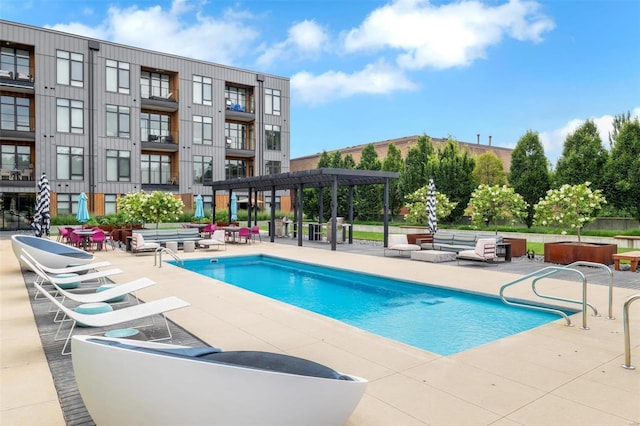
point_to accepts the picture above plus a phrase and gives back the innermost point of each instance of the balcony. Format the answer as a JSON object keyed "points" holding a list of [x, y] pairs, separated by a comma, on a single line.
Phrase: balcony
{"points": [[162, 100], [160, 143], [17, 178], [16, 82], [161, 181], [20, 129], [239, 148], [239, 111]]}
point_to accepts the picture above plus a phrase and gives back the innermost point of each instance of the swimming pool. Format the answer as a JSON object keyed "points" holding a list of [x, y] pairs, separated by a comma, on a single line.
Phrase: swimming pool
{"points": [[438, 320]]}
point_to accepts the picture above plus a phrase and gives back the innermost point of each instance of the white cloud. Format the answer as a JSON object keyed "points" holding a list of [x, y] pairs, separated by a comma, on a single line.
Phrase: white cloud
{"points": [[181, 30], [377, 78], [446, 36], [553, 140], [305, 39]]}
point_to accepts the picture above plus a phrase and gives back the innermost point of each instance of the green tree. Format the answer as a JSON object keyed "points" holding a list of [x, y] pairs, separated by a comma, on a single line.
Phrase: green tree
{"points": [[368, 202], [618, 122], [489, 170], [154, 207], [570, 206], [417, 206], [622, 172], [529, 175], [453, 175], [393, 163], [583, 157], [490, 204], [415, 174]]}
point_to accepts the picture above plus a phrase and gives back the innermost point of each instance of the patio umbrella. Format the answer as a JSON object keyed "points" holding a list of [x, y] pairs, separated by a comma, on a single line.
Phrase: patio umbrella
{"points": [[83, 213], [431, 208], [199, 207], [41, 216], [234, 207]]}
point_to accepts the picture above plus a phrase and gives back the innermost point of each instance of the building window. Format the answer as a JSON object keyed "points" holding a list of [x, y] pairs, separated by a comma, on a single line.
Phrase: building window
{"points": [[118, 77], [272, 137], [202, 90], [207, 203], [67, 203], [70, 163], [110, 204], [238, 99], [70, 68], [234, 169], [272, 101], [156, 169], [153, 84], [154, 127], [118, 123], [273, 167], [16, 157], [202, 130], [118, 166], [202, 168], [278, 203], [241, 135], [69, 116], [14, 114], [16, 62]]}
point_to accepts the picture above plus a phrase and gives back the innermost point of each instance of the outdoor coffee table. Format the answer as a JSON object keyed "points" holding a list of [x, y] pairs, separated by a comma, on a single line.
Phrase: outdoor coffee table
{"points": [[434, 256], [632, 256]]}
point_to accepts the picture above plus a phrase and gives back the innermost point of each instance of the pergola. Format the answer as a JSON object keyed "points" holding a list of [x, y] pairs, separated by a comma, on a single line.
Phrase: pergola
{"points": [[316, 178]]}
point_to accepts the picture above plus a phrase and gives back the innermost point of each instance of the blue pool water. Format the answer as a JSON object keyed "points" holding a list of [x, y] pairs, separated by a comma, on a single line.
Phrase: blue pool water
{"points": [[438, 320]]}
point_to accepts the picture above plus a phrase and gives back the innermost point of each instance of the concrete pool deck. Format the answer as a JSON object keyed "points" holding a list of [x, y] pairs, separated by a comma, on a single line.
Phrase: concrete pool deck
{"points": [[550, 375]]}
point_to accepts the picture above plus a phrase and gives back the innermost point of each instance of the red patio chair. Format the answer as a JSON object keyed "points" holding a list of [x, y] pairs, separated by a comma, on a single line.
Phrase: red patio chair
{"points": [[244, 233]]}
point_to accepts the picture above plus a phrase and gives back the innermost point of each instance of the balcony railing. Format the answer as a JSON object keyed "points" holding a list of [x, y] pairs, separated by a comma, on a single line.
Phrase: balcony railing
{"points": [[16, 81]]}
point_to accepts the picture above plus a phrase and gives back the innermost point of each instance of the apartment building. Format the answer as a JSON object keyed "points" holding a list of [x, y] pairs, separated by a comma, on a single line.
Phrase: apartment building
{"points": [[107, 119]]}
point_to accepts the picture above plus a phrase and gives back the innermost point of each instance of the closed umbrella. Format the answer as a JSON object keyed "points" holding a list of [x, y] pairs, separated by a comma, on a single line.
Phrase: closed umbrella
{"points": [[83, 213], [234, 207], [41, 216], [199, 207], [431, 208]]}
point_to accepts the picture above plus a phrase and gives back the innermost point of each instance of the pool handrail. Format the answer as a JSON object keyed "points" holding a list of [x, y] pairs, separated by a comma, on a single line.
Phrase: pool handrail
{"points": [[543, 273], [158, 253], [627, 334]]}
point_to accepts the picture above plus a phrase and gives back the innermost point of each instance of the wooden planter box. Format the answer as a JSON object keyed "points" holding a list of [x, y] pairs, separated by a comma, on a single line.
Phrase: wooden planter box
{"points": [[411, 238], [566, 252], [518, 246]]}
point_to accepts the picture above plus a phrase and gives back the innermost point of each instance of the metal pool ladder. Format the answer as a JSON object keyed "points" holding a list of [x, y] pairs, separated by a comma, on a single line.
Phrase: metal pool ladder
{"points": [[157, 255], [545, 273]]}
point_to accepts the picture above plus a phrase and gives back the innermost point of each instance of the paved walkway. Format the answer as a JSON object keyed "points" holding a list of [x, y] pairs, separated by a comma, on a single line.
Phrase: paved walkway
{"points": [[552, 375]]}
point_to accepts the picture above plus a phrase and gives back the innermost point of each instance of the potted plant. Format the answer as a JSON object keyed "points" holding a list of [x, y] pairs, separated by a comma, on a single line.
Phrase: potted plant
{"points": [[572, 206]]}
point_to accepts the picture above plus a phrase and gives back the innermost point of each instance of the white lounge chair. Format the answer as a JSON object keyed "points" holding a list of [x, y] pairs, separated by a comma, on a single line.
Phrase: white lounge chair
{"points": [[81, 269], [400, 244], [216, 240], [119, 316], [115, 292], [138, 244], [484, 251], [136, 382]]}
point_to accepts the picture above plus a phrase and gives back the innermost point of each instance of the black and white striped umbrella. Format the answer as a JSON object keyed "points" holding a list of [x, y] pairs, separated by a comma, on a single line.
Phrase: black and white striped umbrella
{"points": [[431, 208], [41, 217]]}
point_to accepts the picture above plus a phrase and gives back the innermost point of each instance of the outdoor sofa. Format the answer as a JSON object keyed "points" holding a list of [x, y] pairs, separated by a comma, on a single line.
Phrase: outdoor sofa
{"points": [[456, 242]]}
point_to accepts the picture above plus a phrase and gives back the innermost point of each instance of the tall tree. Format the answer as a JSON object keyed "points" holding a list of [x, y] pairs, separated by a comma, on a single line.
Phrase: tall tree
{"points": [[583, 158], [369, 197], [622, 172], [529, 175], [452, 171], [415, 174], [489, 170], [618, 121], [393, 163]]}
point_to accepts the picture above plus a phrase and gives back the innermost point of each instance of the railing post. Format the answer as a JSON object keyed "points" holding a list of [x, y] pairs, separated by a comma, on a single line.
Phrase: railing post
{"points": [[627, 336]]}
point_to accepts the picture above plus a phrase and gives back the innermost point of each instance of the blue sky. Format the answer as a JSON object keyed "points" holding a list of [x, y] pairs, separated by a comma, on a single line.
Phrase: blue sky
{"points": [[365, 70]]}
